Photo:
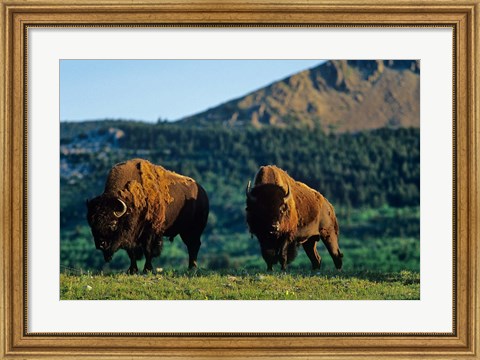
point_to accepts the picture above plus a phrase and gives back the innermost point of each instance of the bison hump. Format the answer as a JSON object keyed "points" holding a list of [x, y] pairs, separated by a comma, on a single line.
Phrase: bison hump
{"points": [[148, 186], [271, 174]]}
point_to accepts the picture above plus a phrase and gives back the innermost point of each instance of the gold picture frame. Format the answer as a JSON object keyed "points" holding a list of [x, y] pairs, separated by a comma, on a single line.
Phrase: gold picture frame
{"points": [[461, 16]]}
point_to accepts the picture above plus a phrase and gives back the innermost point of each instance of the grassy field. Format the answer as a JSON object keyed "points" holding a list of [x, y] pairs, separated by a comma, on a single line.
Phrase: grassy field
{"points": [[242, 285]]}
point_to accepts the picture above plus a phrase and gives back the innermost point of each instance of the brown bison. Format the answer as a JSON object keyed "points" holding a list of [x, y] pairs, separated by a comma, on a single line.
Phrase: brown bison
{"points": [[283, 213], [141, 203]]}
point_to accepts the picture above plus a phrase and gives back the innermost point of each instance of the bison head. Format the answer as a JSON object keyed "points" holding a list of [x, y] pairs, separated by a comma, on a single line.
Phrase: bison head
{"points": [[268, 209], [106, 216]]}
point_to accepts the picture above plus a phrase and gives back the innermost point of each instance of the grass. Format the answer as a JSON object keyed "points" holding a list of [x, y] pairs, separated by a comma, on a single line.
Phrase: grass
{"points": [[242, 285]]}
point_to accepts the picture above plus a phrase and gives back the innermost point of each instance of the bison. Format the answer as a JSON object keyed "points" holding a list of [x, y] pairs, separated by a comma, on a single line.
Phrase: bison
{"points": [[283, 213], [141, 204]]}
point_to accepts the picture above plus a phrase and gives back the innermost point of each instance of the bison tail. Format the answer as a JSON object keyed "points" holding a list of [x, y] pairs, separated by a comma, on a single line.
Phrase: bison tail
{"points": [[291, 252]]}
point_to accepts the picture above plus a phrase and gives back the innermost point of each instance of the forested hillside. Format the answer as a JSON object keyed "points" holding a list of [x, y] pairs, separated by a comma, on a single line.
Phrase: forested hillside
{"points": [[371, 177]]}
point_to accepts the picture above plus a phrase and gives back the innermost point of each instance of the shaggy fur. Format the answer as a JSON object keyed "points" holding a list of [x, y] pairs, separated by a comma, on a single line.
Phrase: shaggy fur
{"points": [[281, 224], [159, 203]]}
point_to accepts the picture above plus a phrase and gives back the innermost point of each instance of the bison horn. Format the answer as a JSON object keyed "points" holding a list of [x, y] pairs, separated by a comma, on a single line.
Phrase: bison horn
{"points": [[247, 192], [288, 194], [124, 209]]}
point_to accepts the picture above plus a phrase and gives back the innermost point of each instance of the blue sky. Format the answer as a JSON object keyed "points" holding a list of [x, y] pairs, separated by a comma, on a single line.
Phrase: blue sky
{"points": [[168, 89]]}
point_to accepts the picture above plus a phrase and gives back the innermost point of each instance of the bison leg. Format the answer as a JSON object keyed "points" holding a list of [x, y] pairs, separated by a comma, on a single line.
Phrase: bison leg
{"points": [[331, 243], [133, 269], [148, 259], [148, 264], [283, 256], [149, 249], [269, 256], [269, 253], [310, 247], [152, 246], [193, 245]]}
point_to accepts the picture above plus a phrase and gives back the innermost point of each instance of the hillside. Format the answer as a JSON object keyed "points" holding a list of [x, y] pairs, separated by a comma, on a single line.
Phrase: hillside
{"points": [[339, 96], [372, 178]]}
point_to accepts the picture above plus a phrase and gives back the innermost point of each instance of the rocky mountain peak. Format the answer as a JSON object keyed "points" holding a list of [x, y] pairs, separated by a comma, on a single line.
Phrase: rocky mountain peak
{"points": [[339, 96]]}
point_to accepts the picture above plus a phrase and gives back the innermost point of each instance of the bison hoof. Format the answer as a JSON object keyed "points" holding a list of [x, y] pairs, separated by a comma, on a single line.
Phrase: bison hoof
{"points": [[132, 271], [148, 271], [193, 268], [338, 261]]}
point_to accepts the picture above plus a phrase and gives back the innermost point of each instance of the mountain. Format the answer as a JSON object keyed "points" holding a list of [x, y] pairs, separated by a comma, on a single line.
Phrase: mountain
{"points": [[339, 95]]}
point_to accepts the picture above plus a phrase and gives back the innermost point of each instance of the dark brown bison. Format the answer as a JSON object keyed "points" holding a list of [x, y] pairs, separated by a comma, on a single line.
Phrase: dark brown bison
{"points": [[283, 213], [142, 203]]}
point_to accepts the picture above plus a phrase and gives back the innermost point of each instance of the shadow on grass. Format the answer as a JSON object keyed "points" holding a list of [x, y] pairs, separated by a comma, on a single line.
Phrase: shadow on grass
{"points": [[404, 277]]}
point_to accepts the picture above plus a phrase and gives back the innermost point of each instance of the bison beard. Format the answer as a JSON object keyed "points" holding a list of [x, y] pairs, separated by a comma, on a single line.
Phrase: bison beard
{"points": [[142, 203], [283, 213]]}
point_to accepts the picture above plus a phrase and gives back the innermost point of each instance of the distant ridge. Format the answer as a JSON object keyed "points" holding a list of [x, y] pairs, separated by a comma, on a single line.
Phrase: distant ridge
{"points": [[339, 95]]}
